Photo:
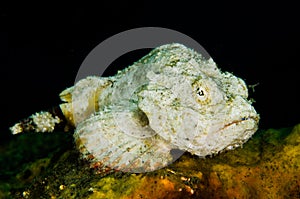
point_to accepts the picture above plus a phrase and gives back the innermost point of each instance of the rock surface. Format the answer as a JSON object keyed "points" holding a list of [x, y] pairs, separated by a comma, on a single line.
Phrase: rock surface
{"points": [[268, 166]]}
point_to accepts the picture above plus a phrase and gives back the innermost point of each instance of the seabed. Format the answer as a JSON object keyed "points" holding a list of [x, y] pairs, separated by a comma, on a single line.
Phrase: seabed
{"points": [[49, 166]]}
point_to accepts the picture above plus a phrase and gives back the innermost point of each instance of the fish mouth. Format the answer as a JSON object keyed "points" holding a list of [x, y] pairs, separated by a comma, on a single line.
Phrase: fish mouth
{"points": [[247, 126], [244, 119]]}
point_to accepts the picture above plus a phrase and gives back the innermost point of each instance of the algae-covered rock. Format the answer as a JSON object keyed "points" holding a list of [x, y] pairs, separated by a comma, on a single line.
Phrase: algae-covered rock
{"points": [[268, 166], [26, 157]]}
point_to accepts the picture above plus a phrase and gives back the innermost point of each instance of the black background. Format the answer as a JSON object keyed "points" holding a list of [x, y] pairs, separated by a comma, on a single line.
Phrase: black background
{"points": [[43, 46]]}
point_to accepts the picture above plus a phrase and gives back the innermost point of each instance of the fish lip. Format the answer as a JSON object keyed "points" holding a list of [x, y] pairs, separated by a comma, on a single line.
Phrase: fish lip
{"points": [[239, 141], [242, 119]]}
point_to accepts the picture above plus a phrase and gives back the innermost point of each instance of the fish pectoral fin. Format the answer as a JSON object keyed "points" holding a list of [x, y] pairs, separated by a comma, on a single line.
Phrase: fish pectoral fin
{"points": [[109, 145], [134, 122]]}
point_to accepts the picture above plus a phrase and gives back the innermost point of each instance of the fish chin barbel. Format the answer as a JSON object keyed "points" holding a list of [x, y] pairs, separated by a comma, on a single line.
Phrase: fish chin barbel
{"points": [[171, 99]]}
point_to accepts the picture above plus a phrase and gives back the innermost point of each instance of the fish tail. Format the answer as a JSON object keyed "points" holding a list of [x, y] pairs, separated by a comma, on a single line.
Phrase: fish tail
{"points": [[44, 121]]}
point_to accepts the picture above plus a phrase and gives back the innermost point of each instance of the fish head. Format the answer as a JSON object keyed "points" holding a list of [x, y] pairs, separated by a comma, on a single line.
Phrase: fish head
{"points": [[198, 108]]}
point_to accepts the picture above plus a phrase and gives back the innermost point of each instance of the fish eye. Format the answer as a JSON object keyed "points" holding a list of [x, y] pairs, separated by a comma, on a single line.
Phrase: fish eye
{"points": [[200, 92]]}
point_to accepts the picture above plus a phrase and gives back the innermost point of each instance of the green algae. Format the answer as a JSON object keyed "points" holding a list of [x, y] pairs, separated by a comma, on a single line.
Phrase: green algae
{"points": [[111, 187], [27, 156]]}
